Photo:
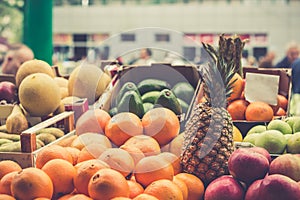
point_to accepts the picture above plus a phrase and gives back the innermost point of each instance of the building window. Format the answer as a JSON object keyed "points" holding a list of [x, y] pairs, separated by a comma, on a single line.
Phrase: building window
{"points": [[162, 37], [128, 37], [189, 53]]}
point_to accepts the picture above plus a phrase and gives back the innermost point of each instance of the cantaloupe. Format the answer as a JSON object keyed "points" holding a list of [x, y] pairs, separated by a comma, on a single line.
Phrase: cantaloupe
{"points": [[39, 94], [88, 81], [33, 66]]}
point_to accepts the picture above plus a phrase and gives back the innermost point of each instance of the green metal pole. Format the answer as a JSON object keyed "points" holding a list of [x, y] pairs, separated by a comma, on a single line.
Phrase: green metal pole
{"points": [[38, 28]]}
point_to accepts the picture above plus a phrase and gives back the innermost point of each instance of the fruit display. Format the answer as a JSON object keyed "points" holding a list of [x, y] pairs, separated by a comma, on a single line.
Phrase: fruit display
{"points": [[139, 147]]}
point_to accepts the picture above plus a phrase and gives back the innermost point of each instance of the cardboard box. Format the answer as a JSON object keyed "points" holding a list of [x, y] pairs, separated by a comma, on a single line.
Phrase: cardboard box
{"points": [[284, 89], [162, 71], [27, 156]]}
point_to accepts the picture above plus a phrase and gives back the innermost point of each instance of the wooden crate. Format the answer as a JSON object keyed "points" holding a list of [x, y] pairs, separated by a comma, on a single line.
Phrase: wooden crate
{"points": [[27, 156]]}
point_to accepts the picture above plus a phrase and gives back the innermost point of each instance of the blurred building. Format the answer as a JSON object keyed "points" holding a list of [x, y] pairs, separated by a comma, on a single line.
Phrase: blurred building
{"points": [[112, 28]]}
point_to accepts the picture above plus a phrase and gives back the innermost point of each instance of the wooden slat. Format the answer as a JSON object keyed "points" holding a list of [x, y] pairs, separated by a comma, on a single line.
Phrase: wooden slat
{"points": [[28, 137]]}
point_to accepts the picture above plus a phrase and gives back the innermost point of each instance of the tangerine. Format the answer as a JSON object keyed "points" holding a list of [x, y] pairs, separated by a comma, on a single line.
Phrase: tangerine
{"points": [[164, 189], [119, 160], [152, 168], [91, 151], [134, 188], [123, 126], [52, 152], [148, 145], [237, 87], [5, 183], [194, 184], [31, 183], [162, 124], [61, 172], [145, 197], [259, 111], [107, 184], [237, 109], [85, 170], [92, 121], [7, 166]]}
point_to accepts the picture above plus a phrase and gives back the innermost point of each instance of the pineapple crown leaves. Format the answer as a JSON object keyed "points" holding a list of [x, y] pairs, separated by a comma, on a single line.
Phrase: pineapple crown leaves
{"points": [[217, 76]]}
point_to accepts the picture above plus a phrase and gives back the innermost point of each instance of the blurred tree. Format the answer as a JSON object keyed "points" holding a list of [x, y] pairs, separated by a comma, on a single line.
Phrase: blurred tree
{"points": [[11, 20]]}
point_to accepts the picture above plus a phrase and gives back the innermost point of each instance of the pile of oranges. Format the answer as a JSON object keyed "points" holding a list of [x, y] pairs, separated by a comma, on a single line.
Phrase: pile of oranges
{"points": [[129, 158]]}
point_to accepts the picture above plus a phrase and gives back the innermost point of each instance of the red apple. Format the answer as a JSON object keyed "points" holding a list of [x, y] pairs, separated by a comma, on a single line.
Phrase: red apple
{"points": [[252, 192], [7, 91], [262, 151], [286, 164], [224, 188], [248, 165], [279, 187]]}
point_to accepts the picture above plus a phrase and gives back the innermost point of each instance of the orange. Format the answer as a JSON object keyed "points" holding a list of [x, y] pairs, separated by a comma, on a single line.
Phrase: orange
{"points": [[283, 101], [280, 112], [120, 198], [162, 124], [134, 188], [5, 183], [259, 111], [148, 145], [66, 197], [7, 166], [145, 197], [182, 186], [237, 87], [52, 152], [85, 170], [123, 126], [31, 183], [152, 168], [92, 121], [61, 173], [194, 184], [90, 151], [79, 197], [42, 198], [277, 106], [74, 153], [175, 145], [66, 142], [237, 109], [119, 160], [164, 189], [6, 197], [173, 159], [135, 152], [107, 184], [90, 138]]}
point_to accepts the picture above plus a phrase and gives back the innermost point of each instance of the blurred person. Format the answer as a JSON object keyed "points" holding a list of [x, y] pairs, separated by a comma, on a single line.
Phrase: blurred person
{"points": [[145, 57], [292, 53], [15, 56], [296, 76], [251, 62], [267, 60]]}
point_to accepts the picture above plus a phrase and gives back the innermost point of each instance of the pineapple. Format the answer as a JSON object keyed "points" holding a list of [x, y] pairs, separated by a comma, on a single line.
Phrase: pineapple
{"points": [[208, 141]]}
